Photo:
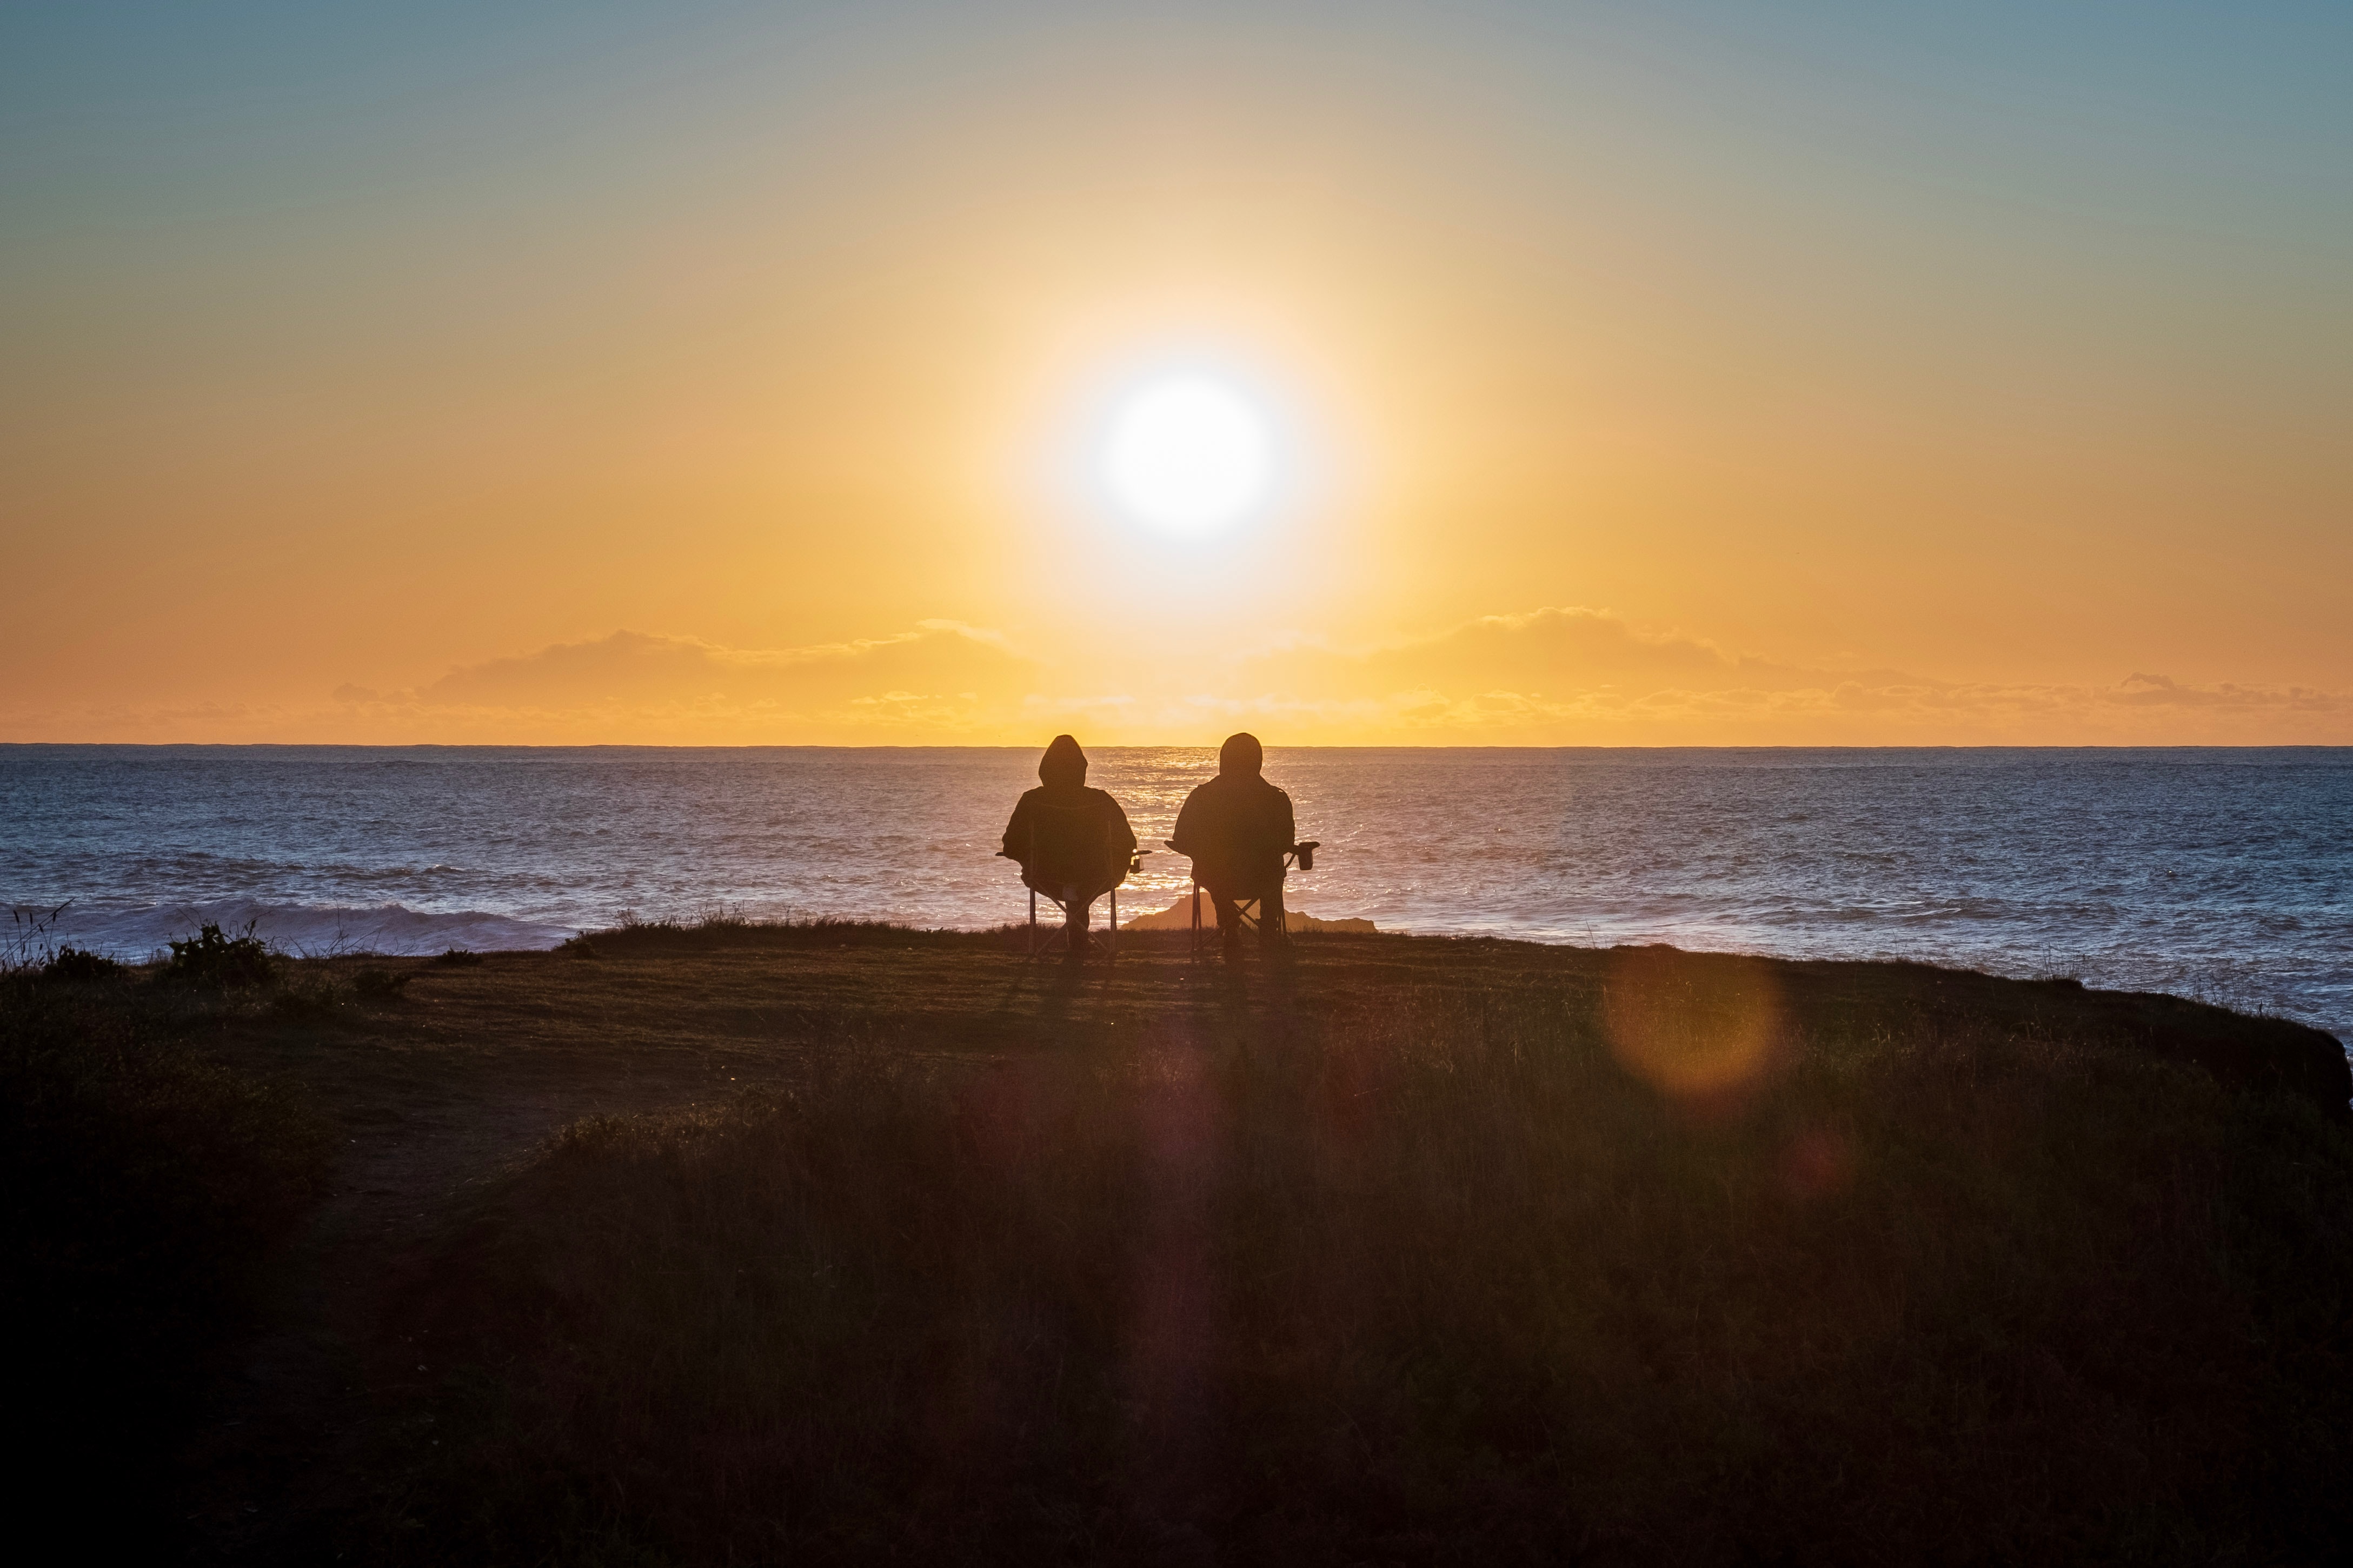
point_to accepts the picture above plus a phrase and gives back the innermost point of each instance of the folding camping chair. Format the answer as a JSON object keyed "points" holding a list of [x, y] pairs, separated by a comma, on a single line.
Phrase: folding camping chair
{"points": [[1069, 849], [1246, 911]]}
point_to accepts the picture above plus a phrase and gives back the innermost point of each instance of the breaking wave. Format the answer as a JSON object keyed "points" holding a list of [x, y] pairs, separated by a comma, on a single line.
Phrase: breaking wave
{"points": [[303, 929], [2226, 874]]}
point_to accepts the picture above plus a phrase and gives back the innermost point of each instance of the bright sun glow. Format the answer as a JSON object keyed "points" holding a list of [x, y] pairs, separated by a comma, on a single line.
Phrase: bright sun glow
{"points": [[1187, 452]]}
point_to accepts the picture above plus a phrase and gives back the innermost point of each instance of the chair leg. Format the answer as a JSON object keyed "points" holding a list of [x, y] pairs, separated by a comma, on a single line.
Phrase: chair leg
{"points": [[1273, 924]]}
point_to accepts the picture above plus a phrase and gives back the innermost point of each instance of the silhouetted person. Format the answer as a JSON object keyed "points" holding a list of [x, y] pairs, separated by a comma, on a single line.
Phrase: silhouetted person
{"points": [[1237, 828], [1073, 843]]}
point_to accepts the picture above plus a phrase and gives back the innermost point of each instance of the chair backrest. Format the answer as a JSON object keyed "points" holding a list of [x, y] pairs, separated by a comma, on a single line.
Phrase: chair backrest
{"points": [[1069, 844]]}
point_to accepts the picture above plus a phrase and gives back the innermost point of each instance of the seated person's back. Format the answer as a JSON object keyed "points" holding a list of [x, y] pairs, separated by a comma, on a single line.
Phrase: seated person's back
{"points": [[1073, 843], [1237, 828]]}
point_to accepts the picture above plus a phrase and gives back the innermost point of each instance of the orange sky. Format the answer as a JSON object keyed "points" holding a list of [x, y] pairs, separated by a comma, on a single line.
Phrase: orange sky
{"points": [[1647, 381]]}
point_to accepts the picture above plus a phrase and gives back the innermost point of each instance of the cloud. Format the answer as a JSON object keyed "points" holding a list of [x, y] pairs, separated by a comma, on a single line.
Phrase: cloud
{"points": [[633, 667], [940, 680], [1576, 676], [1550, 677], [1550, 650]]}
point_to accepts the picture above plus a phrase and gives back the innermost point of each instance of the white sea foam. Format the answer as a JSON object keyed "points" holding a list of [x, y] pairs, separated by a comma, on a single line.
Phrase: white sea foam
{"points": [[305, 930]]}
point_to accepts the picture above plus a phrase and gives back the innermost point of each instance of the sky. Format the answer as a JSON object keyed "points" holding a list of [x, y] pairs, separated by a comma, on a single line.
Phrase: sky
{"points": [[1696, 372]]}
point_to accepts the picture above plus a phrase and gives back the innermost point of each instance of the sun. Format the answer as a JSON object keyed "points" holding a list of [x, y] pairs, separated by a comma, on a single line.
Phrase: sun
{"points": [[1187, 452]]}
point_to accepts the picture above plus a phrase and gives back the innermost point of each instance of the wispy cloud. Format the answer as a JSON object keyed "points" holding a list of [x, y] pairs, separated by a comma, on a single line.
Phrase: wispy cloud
{"points": [[1578, 675], [937, 680], [1555, 676]]}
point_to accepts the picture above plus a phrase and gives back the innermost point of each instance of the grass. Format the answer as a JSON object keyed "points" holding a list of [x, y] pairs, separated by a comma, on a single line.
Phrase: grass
{"points": [[730, 1243], [145, 1188], [1424, 1273]]}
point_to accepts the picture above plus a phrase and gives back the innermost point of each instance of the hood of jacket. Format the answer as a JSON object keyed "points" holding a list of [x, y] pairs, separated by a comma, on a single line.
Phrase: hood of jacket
{"points": [[1063, 766]]}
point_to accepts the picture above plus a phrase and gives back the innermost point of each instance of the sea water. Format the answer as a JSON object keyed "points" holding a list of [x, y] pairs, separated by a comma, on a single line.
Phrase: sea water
{"points": [[2224, 874]]}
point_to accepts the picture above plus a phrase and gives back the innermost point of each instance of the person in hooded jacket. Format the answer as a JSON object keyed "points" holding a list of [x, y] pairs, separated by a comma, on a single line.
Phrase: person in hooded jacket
{"points": [[1237, 828], [1073, 843]]}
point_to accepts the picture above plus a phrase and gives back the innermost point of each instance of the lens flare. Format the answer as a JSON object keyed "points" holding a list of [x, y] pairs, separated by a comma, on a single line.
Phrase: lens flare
{"points": [[1699, 1028], [1189, 454]]}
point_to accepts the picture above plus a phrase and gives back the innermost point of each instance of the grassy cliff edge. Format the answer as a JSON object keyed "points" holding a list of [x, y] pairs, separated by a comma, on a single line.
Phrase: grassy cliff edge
{"points": [[859, 1243]]}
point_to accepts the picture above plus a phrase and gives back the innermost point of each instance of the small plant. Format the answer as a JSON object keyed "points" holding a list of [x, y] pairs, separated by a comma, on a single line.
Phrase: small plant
{"points": [[577, 946], [460, 957], [380, 984], [340, 943], [215, 959], [77, 965], [27, 948]]}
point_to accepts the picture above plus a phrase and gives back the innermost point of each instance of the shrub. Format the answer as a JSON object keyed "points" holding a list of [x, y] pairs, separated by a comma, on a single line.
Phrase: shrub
{"points": [[212, 958], [75, 964], [460, 957]]}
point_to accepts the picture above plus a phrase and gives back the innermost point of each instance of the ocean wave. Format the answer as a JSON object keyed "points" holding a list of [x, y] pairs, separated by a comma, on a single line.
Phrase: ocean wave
{"points": [[2175, 872], [305, 930]]}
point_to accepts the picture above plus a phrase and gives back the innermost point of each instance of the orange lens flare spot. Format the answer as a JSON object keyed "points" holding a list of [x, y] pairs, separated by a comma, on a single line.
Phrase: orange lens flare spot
{"points": [[1691, 1025]]}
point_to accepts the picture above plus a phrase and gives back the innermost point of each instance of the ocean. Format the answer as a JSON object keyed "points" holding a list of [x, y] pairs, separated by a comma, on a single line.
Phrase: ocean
{"points": [[2220, 874]]}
